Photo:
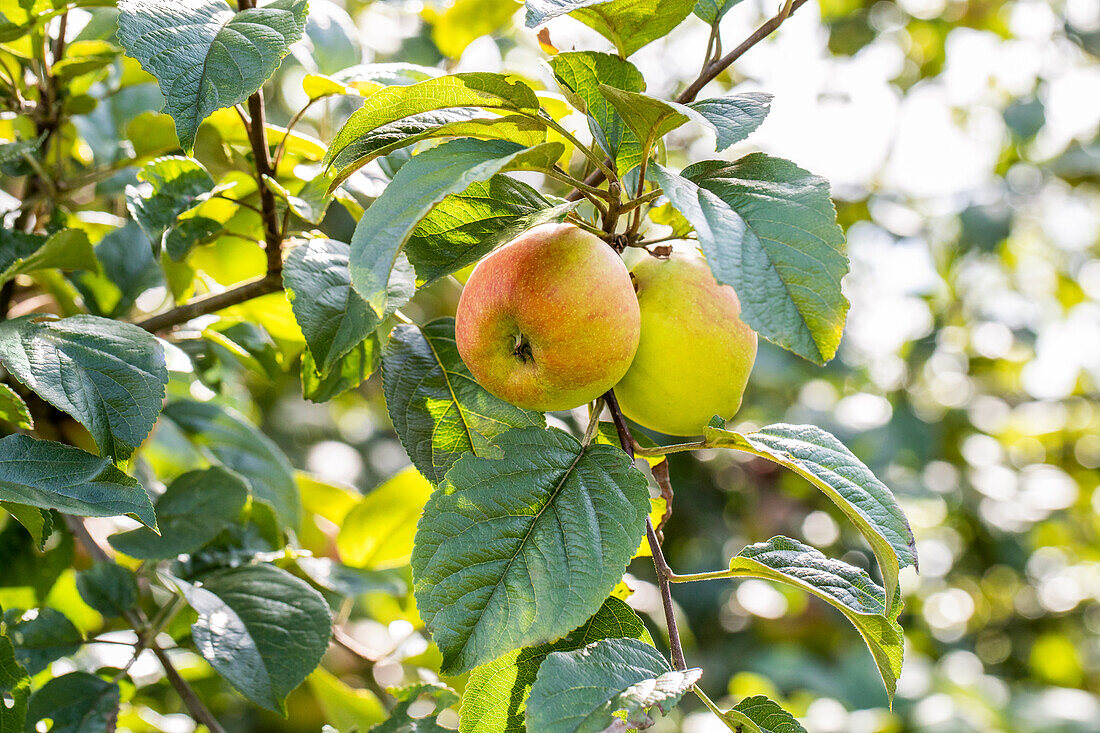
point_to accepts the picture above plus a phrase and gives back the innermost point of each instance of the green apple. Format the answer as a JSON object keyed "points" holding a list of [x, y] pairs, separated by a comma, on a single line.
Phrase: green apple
{"points": [[695, 354], [549, 321]]}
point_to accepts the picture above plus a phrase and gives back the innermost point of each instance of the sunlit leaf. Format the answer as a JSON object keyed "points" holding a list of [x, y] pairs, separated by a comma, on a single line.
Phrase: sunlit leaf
{"points": [[588, 690], [438, 409], [550, 521]]}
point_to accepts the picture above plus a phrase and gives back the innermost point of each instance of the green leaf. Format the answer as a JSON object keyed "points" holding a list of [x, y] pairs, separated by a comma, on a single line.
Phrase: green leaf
{"points": [[712, 11], [13, 713], [421, 183], [756, 714], [167, 187], [438, 409], [180, 239], [108, 375], [13, 409], [496, 694], [15, 150], [194, 509], [347, 708], [84, 56], [349, 371], [477, 89], [108, 588], [206, 56], [12, 674], [649, 118], [735, 117], [378, 532], [67, 249], [603, 685], [550, 525], [240, 447], [261, 628], [580, 74], [823, 460], [42, 636], [39, 522], [540, 11], [333, 317], [54, 476], [631, 24], [400, 720], [466, 226], [460, 122], [778, 245], [310, 203], [76, 703], [843, 586]]}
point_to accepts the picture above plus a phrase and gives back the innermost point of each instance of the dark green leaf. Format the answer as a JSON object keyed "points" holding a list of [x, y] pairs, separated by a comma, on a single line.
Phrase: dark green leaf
{"points": [[108, 588], [438, 410], [13, 409], [76, 703], [580, 74], [261, 628], [843, 586], [333, 317], [420, 184], [189, 233], [823, 460], [712, 11], [548, 525], [42, 636], [192, 511], [540, 11], [349, 371], [604, 684], [129, 269], [167, 187], [205, 55], [466, 226], [108, 375], [496, 693], [400, 721], [631, 24], [20, 254], [735, 117], [240, 447], [12, 674], [768, 228], [54, 476], [478, 89]]}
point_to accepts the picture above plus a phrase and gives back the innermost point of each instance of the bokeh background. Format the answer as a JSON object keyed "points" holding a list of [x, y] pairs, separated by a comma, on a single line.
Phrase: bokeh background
{"points": [[962, 139]]}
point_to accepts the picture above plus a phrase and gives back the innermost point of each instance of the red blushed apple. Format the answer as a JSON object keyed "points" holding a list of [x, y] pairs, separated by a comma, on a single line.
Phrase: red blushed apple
{"points": [[695, 354], [549, 321]]}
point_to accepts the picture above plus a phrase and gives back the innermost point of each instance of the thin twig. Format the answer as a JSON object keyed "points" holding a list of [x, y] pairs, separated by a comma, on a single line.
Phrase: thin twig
{"points": [[207, 304], [664, 572], [138, 622], [712, 70]]}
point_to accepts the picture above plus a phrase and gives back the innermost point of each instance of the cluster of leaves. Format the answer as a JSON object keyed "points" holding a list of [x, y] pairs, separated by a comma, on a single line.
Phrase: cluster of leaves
{"points": [[524, 530]]}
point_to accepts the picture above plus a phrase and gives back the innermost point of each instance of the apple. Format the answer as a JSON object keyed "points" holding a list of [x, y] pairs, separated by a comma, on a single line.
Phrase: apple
{"points": [[695, 354], [548, 321]]}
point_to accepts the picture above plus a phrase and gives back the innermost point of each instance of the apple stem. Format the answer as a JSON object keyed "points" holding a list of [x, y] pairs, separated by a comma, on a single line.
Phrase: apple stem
{"points": [[664, 572]]}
